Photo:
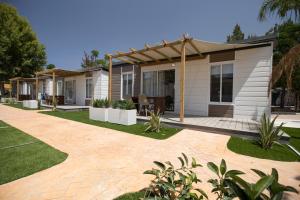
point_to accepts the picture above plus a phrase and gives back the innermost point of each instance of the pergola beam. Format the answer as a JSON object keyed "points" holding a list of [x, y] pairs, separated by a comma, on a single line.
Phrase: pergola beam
{"points": [[158, 52], [132, 57], [125, 60], [166, 44], [110, 78], [134, 51], [194, 47], [182, 81]]}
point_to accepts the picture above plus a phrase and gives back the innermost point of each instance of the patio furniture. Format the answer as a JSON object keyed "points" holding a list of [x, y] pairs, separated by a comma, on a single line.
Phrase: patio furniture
{"points": [[157, 103], [143, 104]]}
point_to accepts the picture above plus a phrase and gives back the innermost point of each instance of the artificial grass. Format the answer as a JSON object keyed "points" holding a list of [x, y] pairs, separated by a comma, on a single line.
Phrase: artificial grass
{"points": [[137, 129], [19, 105], [295, 136], [131, 196], [22, 155], [251, 148]]}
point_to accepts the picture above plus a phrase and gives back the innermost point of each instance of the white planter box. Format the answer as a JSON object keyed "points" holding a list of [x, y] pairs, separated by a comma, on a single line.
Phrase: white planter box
{"points": [[100, 114], [33, 104], [124, 117]]}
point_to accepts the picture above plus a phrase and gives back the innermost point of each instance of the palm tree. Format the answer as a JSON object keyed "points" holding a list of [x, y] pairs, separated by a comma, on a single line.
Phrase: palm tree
{"points": [[282, 8], [288, 65]]}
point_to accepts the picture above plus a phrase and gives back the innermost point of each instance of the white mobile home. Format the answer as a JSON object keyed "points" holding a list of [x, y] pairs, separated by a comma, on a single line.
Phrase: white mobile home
{"points": [[194, 77], [73, 87]]}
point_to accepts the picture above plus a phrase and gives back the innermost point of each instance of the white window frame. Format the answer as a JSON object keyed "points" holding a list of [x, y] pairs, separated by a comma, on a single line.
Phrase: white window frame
{"points": [[221, 74], [132, 90], [86, 90], [61, 82]]}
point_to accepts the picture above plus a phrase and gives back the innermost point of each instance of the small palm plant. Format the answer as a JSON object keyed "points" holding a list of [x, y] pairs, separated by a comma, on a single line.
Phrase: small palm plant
{"points": [[154, 123], [268, 132]]}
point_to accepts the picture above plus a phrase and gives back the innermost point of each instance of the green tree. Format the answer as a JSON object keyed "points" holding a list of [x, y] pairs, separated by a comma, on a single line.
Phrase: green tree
{"points": [[93, 60], [21, 53], [237, 34], [50, 66], [282, 8], [288, 37]]}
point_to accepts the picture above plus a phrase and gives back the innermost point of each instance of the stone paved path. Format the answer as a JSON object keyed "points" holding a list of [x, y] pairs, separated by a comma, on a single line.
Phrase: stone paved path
{"points": [[103, 163]]}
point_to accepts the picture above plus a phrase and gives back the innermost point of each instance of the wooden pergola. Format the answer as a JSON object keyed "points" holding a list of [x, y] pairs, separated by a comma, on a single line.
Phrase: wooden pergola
{"points": [[181, 50], [18, 80], [54, 73]]}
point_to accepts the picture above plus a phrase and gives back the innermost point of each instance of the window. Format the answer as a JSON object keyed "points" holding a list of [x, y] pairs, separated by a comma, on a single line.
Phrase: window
{"points": [[127, 85], [88, 88], [150, 83], [59, 87], [221, 83]]}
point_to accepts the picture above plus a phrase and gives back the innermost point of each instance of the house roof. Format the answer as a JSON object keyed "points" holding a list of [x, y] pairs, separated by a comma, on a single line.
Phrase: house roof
{"points": [[59, 72], [22, 79], [171, 51]]}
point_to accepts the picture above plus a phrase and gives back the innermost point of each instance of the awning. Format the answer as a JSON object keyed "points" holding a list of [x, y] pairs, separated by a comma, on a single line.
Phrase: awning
{"points": [[58, 72], [171, 51]]}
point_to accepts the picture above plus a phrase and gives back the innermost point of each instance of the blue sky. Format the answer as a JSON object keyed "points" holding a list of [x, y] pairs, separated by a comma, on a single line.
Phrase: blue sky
{"points": [[69, 27]]}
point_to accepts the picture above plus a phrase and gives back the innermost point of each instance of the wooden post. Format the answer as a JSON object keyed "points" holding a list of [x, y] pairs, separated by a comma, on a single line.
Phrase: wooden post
{"points": [[18, 89], [53, 88], [182, 81], [110, 79], [10, 91], [36, 87]]}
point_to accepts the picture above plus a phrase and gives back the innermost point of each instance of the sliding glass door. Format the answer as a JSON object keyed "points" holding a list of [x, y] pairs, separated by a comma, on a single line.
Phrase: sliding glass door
{"points": [[160, 84]]}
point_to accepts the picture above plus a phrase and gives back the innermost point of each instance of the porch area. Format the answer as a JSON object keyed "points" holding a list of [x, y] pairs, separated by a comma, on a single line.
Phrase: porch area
{"points": [[220, 125], [67, 107]]}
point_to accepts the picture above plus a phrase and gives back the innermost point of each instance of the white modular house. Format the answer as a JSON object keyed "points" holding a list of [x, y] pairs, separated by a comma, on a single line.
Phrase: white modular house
{"points": [[73, 87], [206, 79]]}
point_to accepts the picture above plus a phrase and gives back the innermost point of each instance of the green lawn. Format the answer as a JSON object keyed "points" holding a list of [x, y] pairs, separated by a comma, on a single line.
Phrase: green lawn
{"points": [[131, 196], [280, 153], [295, 136], [22, 155], [18, 105], [137, 129]]}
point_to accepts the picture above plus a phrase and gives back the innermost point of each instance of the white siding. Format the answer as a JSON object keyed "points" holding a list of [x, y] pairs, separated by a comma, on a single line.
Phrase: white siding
{"points": [[252, 71], [80, 88]]}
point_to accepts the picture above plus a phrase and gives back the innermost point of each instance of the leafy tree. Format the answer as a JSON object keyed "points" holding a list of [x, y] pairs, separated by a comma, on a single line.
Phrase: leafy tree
{"points": [[21, 53], [51, 66], [93, 60], [282, 8], [237, 34]]}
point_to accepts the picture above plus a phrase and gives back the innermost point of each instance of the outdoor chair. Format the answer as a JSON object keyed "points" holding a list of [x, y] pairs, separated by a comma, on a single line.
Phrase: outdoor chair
{"points": [[143, 104]]}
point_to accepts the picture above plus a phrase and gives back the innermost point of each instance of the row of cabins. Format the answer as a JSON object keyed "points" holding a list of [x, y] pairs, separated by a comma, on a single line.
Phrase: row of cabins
{"points": [[192, 77]]}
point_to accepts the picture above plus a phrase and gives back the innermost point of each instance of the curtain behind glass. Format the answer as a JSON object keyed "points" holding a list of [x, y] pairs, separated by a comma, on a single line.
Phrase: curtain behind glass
{"points": [[150, 83]]}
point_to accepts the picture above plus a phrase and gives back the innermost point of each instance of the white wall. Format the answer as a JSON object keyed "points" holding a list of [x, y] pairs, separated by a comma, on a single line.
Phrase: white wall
{"points": [[251, 79], [100, 83]]}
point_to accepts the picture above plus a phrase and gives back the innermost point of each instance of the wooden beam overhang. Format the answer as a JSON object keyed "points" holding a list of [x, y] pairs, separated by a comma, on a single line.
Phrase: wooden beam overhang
{"points": [[165, 43], [194, 47], [125, 60], [158, 52], [134, 51]]}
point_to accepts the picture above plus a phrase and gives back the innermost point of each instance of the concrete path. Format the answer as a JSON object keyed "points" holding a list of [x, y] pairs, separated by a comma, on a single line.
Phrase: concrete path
{"points": [[104, 163], [289, 120]]}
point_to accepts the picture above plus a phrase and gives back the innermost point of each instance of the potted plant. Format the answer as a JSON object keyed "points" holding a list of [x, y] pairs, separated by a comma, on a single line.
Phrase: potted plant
{"points": [[122, 112], [99, 110], [32, 104]]}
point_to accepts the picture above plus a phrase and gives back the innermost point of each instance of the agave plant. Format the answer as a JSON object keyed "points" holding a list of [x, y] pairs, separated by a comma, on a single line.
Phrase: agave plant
{"points": [[268, 132], [154, 123], [172, 183]]}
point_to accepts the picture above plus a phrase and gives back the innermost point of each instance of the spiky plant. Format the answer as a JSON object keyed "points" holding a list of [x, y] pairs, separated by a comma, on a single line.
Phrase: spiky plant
{"points": [[268, 132], [154, 123]]}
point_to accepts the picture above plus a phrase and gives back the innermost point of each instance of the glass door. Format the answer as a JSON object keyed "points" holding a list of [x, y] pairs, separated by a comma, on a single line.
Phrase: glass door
{"points": [[70, 95]]}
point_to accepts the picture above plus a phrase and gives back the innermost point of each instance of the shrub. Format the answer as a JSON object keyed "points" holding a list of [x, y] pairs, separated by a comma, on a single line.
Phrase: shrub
{"points": [[101, 103], [220, 185], [172, 183], [268, 132], [123, 104], [154, 123]]}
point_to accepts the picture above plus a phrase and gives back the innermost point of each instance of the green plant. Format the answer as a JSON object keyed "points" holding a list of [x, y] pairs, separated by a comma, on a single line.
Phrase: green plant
{"points": [[172, 183], [154, 123], [276, 189], [129, 105], [220, 185], [115, 104], [268, 132], [97, 103]]}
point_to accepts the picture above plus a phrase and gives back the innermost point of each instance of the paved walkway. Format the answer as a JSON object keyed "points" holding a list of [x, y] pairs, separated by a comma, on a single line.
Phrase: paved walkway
{"points": [[104, 163]]}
